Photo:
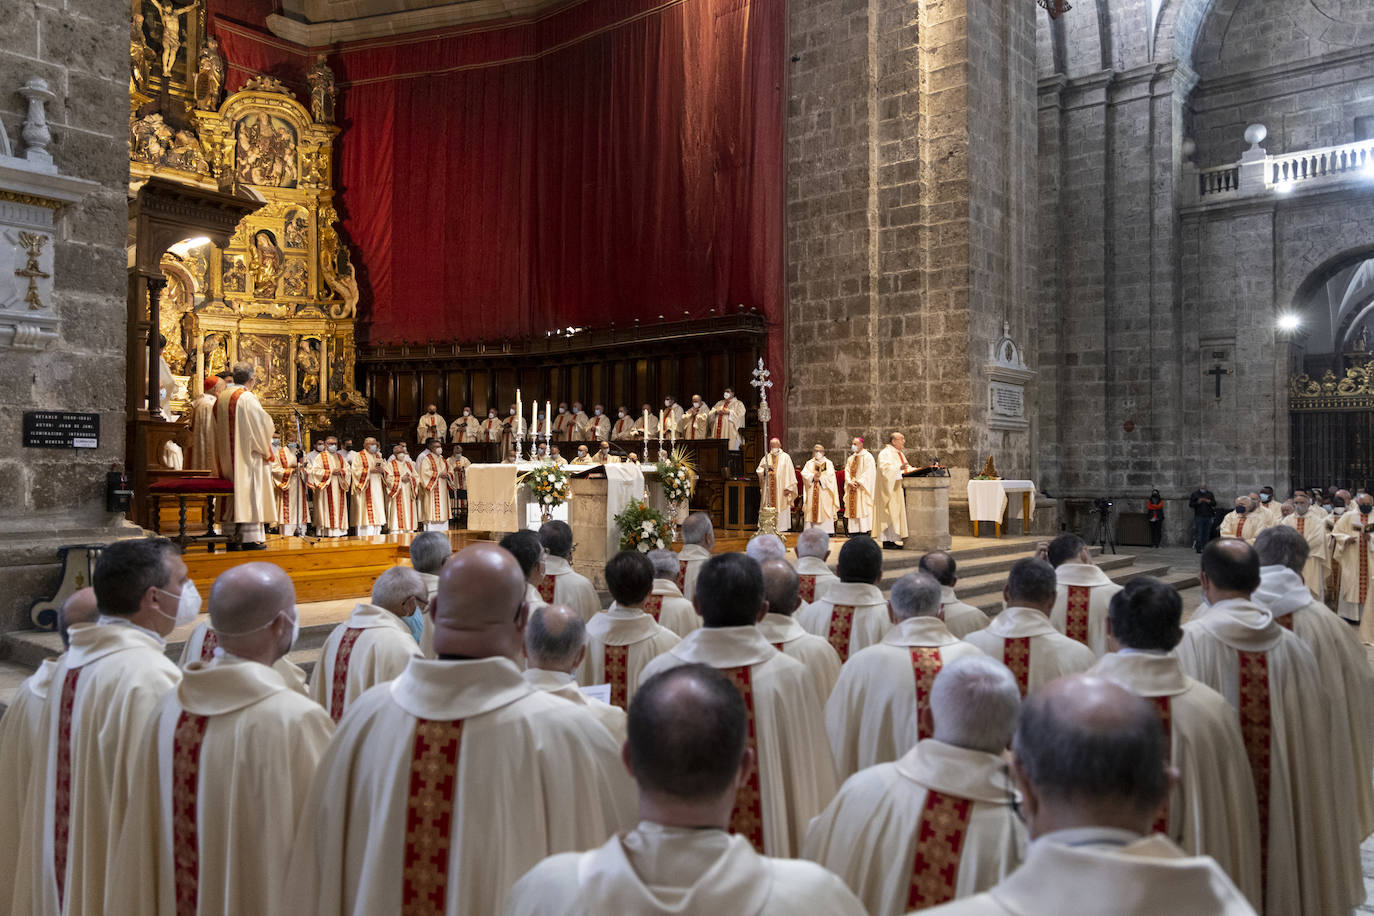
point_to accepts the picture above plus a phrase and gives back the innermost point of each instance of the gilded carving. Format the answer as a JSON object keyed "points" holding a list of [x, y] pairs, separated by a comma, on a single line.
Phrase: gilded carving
{"points": [[209, 75], [297, 229], [235, 273], [265, 153], [308, 371], [1354, 390], [321, 81], [295, 281], [265, 264]]}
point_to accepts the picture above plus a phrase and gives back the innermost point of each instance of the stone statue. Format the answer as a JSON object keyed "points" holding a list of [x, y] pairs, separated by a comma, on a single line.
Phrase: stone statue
{"points": [[171, 31], [209, 75], [265, 264], [321, 80], [141, 57]]}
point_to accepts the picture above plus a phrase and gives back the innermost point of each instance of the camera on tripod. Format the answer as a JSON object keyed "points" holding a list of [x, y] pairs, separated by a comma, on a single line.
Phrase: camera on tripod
{"points": [[1102, 506]]}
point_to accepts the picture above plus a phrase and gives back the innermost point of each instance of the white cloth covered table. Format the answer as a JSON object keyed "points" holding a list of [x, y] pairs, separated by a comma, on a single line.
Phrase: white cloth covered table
{"points": [[987, 500]]}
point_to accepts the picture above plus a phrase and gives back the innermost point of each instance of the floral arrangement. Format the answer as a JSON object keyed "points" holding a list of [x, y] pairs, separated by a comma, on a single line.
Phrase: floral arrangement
{"points": [[549, 484], [643, 528], [677, 475]]}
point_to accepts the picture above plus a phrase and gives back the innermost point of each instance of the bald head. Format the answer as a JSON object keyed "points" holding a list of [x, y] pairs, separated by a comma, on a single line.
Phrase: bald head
{"points": [[1089, 753], [554, 638], [781, 586], [479, 608], [245, 598], [80, 607], [813, 542]]}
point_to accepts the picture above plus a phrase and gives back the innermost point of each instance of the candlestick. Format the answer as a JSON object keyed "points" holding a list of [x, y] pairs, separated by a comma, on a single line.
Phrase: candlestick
{"points": [[534, 419], [519, 417], [548, 421]]}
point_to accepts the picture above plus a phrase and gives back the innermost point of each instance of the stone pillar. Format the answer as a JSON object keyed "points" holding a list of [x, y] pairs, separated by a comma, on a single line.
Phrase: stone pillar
{"points": [[909, 219], [927, 513]]}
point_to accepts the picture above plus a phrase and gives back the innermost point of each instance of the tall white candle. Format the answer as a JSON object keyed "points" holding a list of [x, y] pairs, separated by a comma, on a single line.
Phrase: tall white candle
{"points": [[534, 418], [519, 414], [548, 420]]}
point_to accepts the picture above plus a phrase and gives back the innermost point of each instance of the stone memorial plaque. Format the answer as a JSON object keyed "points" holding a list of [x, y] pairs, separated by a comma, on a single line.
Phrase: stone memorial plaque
{"points": [[1007, 400], [61, 429]]}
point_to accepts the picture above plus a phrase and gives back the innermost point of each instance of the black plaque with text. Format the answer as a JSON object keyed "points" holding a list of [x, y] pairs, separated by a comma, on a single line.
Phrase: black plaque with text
{"points": [[61, 429]]}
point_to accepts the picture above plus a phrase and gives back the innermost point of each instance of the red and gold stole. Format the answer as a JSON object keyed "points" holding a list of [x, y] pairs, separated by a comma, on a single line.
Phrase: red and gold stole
{"points": [[208, 645], [1162, 706], [429, 816], [1076, 614], [939, 842], [187, 740], [1256, 727], [615, 666], [1016, 656], [653, 606], [62, 784], [546, 588], [681, 580], [925, 664], [841, 625], [807, 587], [747, 817], [339, 683]]}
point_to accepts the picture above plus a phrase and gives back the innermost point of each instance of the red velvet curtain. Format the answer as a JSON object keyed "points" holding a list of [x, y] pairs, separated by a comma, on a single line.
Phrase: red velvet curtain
{"points": [[611, 161]]}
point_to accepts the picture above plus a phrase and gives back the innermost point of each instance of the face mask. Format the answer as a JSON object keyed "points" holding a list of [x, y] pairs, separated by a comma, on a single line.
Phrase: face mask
{"points": [[332, 448], [854, 449], [582, 453], [696, 405], [293, 446], [1365, 510], [728, 395], [1240, 510], [1265, 497], [438, 450], [562, 410], [467, 413], [276, 443], [774, 451], [491, 415], [512, 411], [415, 623], [188, 604], [622, 414], [668, 402], [1301, 510], [431, 411], [372, 449], [597, 411], [818, 457]]}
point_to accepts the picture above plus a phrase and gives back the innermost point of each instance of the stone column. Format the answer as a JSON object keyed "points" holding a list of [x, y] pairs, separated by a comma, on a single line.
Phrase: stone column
{"points": [[927, 513]]}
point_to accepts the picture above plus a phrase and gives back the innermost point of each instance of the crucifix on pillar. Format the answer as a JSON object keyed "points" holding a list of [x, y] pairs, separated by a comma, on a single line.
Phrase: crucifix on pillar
{"points": [[1217, 372]]}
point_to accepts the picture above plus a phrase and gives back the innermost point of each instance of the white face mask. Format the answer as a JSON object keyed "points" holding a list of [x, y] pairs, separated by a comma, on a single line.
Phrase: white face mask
{"points": [[1300, 509], [729, 395], [332, 448], [696, 405], [512, 411], [818, 457], [774, 451], [467, 413], [622, 414], [668, 402], [597, 411], [854, 449], [562, 410], [491, 415], [188, 604], [582, 453], [372, 449], [1265, 497], [276, 443]]}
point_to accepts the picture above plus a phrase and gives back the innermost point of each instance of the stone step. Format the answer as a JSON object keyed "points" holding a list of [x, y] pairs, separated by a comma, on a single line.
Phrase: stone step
{"points": [[12, 674]]}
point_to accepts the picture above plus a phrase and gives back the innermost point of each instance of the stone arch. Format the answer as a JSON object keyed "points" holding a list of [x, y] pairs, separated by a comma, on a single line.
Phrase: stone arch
{"points": [[1176, 29]]}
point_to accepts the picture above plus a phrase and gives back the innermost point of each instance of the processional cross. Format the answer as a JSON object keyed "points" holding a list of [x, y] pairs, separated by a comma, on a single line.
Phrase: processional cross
{"points": [[768, 515], [1218, 372]]}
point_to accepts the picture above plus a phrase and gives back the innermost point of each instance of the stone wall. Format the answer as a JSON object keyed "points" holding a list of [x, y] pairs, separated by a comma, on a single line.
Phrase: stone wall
{"points": [[80, 48], [910, 169]]}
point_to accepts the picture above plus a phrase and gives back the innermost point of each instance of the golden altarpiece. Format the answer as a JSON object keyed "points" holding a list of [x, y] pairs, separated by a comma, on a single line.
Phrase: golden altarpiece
{"points": [[282, 292]]}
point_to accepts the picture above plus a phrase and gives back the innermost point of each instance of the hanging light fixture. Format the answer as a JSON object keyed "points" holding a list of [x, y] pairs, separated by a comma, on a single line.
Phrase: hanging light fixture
{"points": [[1055, 8]]}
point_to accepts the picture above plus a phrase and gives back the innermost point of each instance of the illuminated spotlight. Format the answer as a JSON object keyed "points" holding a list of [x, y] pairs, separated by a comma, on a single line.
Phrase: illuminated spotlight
{"points": [[1289, 322], [1283, 187]]}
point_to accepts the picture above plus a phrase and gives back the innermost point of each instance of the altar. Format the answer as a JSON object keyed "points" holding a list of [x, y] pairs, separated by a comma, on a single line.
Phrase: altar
{"points": [[987, 501]]}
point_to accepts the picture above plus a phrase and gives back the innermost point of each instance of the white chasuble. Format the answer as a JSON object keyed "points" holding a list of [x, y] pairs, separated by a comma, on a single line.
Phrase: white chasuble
{"points": [[327, 475], [443, 787], [562, 585], [655, 870], [889, 501], [1212, 809], [620, 644], [1080, 607], [820, 494], [1353, 548], [1317, 569], [398, 475], [202, 456], [778, 483], [367, 488], [795, 777], [961, 619], [815, 578], [1026, 642], [243, 455], [1310, 858], [851, 615], [726, 420], [19, 742], [667, 606], [431, 426], [203, 642], [432, 489], [1246, 527], [1344, 668], [611, 718], [689, 559], [287, 477], [935, 825], [695, 422], [860, 491], [791, 639], [880, 707], [220, 779], [104, 691], [370, 647]]}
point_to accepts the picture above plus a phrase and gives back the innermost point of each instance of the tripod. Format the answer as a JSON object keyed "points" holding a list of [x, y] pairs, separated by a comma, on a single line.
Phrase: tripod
{"points": [[1102, 530]]}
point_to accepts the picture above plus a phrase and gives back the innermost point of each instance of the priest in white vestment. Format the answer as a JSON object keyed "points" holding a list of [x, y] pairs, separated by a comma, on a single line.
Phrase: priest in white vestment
{"points": [[1245, 521], [624, 425], [1211, 809], [398, 476], [726, 419], [443, 787], [561, 584], [373, 645], [243, 455], [1343, 663], [202, 454], [1310, 857], [960, 619], [795, 777], [852, 614], [665, 602], [20, 729], [937, 822], [598, 425], [224, 766], [492, 427], [1080, 605], [367, 487], [813, 549], [327, 477], [777, 483], [1353, 549], [104, 691], [689, 753], [555, 644], [698, 540], [1091, 846], [458, 465], [466, 428], [1022, 637], [431, 488], [1311, 524], [820, 493], [781, 590], [860, 488], [695, 420], [889, 499], [288, 476], [880, 707], [430, 426], [203, 645], [624, 639]]}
